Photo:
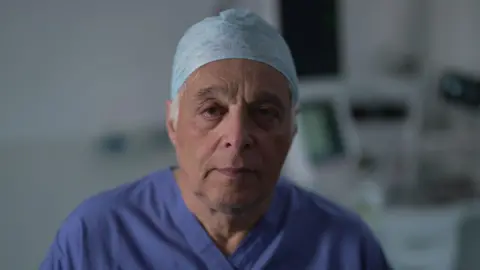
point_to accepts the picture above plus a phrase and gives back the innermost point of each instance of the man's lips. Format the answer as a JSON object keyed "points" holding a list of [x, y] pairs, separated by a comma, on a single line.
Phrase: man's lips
{"points": [[234, 172]]}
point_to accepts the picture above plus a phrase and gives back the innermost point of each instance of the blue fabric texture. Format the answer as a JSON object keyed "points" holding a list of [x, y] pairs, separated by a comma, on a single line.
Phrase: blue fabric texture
{"points": [[145, 225], [234, 34]]}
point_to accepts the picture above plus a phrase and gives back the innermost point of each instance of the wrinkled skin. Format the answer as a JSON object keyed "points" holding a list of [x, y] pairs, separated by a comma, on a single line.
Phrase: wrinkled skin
{"points": [[235, 127]]}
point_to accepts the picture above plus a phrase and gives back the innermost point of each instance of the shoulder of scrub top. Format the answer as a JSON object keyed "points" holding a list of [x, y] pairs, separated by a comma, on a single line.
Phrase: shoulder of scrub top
{"points": [[103, 205], [324, 211]]}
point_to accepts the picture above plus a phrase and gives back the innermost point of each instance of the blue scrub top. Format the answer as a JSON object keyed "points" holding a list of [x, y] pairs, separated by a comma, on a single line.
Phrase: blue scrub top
{"points": [[146, 225]]}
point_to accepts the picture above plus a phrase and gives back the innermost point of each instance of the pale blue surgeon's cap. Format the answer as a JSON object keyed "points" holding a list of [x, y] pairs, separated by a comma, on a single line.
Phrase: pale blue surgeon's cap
{"points": [[233, 34]]}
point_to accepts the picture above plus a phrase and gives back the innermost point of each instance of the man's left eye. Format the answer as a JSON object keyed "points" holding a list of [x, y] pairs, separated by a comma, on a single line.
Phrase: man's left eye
{"points": [[268, 112]]}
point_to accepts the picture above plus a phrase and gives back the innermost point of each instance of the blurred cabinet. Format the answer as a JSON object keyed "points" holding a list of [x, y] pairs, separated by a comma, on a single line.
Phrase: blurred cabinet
{"points": [[421, 238]]}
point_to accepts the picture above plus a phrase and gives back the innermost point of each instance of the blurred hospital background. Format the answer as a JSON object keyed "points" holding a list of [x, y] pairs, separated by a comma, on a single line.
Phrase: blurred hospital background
{"points": [[389, 121]]}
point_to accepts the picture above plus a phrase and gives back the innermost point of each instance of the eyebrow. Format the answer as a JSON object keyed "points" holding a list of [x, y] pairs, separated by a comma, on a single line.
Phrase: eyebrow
{"points": [[216, 91], [210, 92], [267, 97]]}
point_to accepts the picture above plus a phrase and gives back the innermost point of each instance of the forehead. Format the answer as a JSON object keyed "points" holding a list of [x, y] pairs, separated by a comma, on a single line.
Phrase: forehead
{"points": [[234, 76]]}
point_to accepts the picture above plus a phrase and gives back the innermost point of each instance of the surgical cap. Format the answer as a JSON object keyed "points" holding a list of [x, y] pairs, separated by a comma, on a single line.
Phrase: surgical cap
{"points": [[233, 34]]}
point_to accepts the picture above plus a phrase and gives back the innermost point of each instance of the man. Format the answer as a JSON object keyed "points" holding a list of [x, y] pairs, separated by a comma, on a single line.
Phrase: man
{"points": [[231, 120]]}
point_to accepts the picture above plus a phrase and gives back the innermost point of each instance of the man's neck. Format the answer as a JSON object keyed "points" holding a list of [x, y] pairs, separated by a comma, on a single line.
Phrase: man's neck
{"points": [[227, 231]]}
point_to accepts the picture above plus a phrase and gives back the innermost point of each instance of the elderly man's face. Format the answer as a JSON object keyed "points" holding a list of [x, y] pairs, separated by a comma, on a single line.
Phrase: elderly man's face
{"points": [[234, 130]]}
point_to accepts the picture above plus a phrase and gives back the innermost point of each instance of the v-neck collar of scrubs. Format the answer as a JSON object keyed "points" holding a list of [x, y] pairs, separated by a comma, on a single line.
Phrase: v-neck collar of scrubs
{"points": [[250, 249]]}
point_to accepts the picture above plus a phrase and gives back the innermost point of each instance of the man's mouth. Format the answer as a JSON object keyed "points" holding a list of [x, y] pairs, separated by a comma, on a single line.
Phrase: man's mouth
{"points": [[235, 172]]}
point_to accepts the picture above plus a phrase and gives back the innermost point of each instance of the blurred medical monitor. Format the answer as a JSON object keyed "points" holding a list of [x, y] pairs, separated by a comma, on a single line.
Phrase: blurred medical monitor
{"points": [[319, 132]]}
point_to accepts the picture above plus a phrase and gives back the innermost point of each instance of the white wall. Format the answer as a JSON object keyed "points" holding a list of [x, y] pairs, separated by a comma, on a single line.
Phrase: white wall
{"points": [[71, 70], [454, 36]]}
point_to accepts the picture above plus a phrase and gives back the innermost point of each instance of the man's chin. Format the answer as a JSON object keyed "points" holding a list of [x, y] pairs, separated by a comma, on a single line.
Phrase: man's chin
{"points": [[239, 206], [237, 209]]}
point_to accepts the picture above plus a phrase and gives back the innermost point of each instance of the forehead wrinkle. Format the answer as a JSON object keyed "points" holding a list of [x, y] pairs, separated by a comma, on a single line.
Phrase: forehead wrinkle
{"points": [[217, 92], [218, 81], [208, 82], [230, 88]]}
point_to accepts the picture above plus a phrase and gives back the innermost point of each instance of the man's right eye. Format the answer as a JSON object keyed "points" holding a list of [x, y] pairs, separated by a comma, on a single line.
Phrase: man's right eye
{"points": [[213, 112]]}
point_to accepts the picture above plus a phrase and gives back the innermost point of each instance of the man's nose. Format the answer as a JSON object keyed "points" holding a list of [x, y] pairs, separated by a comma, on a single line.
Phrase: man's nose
{"points": [[237, 131]]}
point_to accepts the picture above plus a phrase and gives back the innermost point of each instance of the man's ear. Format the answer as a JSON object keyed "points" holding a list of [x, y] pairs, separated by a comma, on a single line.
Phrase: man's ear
{"points": [[169, 123]]}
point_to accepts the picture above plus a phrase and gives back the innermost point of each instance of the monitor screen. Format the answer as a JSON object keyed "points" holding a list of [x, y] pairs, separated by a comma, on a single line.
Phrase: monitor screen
{"points": [[318, 129], [311, 30]]}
